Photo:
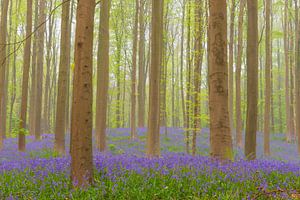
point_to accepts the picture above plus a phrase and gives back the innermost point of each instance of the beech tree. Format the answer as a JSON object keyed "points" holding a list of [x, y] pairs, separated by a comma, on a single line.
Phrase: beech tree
{"points": [[287, 74], [82, 119], [198, 55], [153, 135], [142, 70], [39, 71], [239, 122], [220, 134], [252, 79], [3, 59], [133, 76], [188, 77], [64, 67], [26, 67], [231, 63], [268, 81], [103, 76], [32, 100], [297, 88]]}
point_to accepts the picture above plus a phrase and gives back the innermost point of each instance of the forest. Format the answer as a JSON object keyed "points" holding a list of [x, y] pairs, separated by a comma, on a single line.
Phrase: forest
{"points": [[149, 99]]}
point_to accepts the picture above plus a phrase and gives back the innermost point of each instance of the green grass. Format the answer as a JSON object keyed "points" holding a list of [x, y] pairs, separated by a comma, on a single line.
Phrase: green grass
{"points": [[130, 186], [44, 153]]}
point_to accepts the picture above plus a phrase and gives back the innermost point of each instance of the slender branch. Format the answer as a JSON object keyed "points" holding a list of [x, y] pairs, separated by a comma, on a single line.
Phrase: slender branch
{"points": [[19, 43], [39, 26]]}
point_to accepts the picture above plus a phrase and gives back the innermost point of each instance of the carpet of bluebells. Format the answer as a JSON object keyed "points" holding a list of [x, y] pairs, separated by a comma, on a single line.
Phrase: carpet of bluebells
{"points": [[124, 172]]}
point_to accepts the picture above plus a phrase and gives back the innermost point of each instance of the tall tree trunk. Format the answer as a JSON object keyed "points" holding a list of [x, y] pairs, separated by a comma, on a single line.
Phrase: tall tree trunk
{"points": [[103, 76], [198, 55], [252, 81], [261, 92], [287, 79], [53, 87], [82, 117], [64, 67], [279, 89], [67, 126], [119, 39], [3, 32], [13, 86], [163, 73], [181, 67], [153, 136], [297, 89], [172, 49], [268, 80], [272, 128], [123, 117], [33, 74], [292, 83], [239, 122], [39, 71], [133, 76], [7, 76], [142, 78], [4, 99], [14, 83], [26, 65], [188, 77], [231, 60], [220, 134], [46, 108]]}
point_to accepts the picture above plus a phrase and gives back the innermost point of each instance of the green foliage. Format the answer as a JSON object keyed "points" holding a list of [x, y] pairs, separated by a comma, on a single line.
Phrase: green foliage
{"points": [[27, 185], [277, 35], [44, 153], [112, 147], [114, 150], [16, 130]]}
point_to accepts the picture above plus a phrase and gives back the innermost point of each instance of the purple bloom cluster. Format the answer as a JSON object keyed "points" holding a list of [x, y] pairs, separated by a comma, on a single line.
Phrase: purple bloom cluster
{"points": [[129, 156], [126, 159]]}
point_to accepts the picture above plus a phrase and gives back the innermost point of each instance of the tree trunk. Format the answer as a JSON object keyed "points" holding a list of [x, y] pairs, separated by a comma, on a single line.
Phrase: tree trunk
{"points": [[181, 66], [198, 55], [26, 65], [14, 83], [7, 79], [33, 74], [287, 85], [46, 108], [239, 122], [133, 76], [220, 134], [142, 79], [188, 77], [39, 71], [268, 81], [279, 89], [103, 76], [82, 117], [64, 67], [153, 137], [163, 74], [69, 96], [118, 85], [297, 89], [3, 33], [230, 72], [252, 81], [292, 83]]}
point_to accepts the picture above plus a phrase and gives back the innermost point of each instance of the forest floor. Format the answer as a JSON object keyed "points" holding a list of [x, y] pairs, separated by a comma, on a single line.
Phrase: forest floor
{"points": [[124, 172]]}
